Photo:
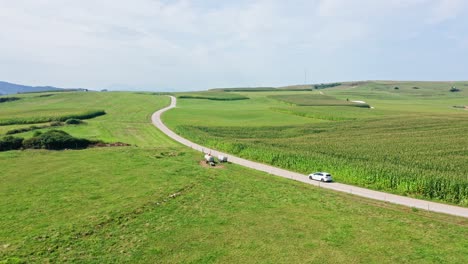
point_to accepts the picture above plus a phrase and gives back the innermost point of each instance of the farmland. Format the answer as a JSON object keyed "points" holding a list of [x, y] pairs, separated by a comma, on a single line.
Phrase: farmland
{"points": [[413, 143], [153, 202], [212, 95], [315, 100], [131, 127]]}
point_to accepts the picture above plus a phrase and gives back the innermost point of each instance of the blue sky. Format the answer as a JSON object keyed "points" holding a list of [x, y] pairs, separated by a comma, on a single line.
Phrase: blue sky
{"points": [[195, 45]]}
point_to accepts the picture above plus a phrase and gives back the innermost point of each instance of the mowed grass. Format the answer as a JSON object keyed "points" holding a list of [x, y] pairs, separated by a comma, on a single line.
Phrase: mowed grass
{"points": [[127, 115], [31, 109], [153, 203], [410, 146], [386, 90], [158, 205]]}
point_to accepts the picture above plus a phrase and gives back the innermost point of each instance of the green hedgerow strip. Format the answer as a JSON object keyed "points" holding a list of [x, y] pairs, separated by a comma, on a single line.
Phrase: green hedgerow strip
{"points": [[44, 119]]}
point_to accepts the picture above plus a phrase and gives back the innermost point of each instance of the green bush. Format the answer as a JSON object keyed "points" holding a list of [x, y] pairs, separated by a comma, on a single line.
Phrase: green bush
{"points": [[56, 123], [33, 143], [326, 85], [53, 139], [43, 119], [17, 130], [8, 99], [56, 140], [73, 121], [10, 143]]}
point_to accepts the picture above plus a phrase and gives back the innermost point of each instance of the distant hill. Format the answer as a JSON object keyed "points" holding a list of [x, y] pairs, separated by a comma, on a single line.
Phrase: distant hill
{"points": [[299, 87], [11, 88]]}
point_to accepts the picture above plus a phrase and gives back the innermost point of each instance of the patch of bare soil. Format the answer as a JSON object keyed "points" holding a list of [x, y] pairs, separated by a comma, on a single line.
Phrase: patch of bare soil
{"points": [[116, 144], [207, 165]]}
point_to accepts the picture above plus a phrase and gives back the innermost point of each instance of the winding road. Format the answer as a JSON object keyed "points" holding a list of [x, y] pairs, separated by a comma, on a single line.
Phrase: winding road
{"points": [[376, 195]]}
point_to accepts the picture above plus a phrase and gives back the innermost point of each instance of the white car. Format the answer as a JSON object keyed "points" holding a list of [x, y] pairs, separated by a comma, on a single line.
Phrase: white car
{"points": [[321, 176]]}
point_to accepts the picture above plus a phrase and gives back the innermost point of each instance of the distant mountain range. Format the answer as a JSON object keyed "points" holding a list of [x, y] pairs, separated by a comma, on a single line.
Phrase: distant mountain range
{"points": [[11, 88]]}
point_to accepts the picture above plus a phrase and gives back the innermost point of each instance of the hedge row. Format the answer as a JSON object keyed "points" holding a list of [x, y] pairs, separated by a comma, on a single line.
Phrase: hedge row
{"points": [[71, 121], [53, 139], [31, 128], [34, 120], [8, 99]]}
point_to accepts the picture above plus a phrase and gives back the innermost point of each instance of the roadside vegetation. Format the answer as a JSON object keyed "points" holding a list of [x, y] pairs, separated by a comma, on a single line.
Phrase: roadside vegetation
{"points": [[153, 202]]}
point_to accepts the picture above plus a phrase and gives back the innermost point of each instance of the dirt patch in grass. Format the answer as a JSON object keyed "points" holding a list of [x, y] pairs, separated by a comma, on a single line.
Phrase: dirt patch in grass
{"points": [[116, 144], [206, 165], [462, 107]]}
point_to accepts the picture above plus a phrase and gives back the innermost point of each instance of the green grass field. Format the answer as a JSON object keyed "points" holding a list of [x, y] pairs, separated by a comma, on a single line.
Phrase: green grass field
{"points": [[126, 119], [153, 203], [33, 108], [411, 143]]}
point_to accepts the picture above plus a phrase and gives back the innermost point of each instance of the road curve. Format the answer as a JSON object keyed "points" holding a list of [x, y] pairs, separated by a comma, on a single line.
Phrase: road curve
{"points": [[376, 195]]}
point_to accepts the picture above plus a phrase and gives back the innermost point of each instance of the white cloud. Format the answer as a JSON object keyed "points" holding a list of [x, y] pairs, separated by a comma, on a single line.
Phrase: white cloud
{"points": [[198, 45], [360, 9], [444, 10]]}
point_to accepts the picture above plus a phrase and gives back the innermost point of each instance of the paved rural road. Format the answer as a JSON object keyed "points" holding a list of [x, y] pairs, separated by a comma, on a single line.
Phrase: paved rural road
{"points": [[381, 196]]}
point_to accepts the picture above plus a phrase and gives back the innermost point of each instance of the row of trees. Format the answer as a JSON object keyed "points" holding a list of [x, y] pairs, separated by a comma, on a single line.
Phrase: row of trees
{"points": [[8, 99], [326, 85]]}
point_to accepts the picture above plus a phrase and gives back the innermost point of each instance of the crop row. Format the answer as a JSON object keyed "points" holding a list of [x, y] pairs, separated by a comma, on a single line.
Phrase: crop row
{"points": [[218, 96], [422, 157], [44, 119]]}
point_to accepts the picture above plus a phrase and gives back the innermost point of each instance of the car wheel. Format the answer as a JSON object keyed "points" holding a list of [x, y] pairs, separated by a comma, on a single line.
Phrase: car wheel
{"points": [[322, 180], [310, 177]]}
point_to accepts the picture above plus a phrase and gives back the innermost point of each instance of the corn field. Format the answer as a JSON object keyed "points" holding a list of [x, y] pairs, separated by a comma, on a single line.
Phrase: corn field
{"points": [[418, 156]]}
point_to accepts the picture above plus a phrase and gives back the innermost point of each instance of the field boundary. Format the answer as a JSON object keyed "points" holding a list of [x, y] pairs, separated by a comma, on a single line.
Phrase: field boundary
{"points": [[44, 119], [363, 192]]}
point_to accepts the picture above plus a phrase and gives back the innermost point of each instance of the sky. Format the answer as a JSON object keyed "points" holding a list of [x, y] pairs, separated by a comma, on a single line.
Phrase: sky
{"points": [[162, 45]]}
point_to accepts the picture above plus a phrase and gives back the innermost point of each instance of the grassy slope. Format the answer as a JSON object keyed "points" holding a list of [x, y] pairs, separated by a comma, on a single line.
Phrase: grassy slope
{"points": [[114, 205], [126, 119], [33, 108], [408, 140]]}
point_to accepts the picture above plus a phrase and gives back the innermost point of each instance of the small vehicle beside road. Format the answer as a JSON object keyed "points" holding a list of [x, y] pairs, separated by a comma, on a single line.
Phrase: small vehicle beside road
{"points": [[321, 176]]}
